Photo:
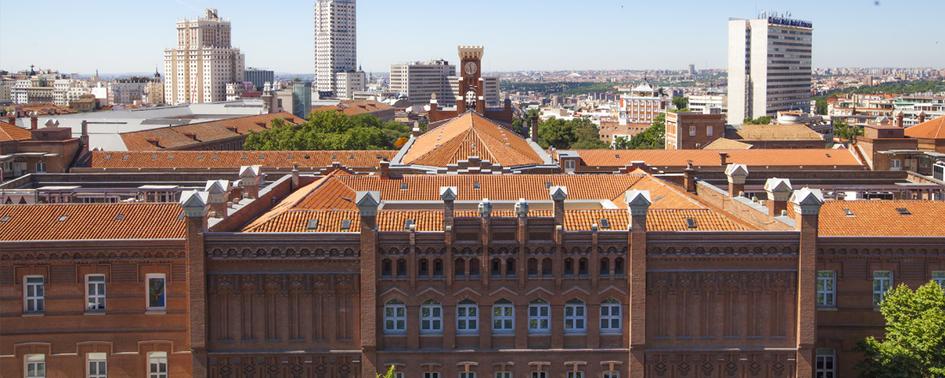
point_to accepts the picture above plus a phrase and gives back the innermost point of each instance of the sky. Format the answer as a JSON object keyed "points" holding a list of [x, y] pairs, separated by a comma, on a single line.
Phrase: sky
{"points": [[116, 36]]}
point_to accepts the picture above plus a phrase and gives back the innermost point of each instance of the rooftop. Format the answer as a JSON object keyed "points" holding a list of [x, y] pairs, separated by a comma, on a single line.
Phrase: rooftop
{"points": [[185, 136], [10, 133], [91, 221], [471, 135], [354, 107], [882, 218], [934, 129], [776, 133], [751, 158], [234, 159]]}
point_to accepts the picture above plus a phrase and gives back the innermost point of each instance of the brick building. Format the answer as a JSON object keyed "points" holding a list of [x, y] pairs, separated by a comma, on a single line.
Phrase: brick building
{"points": [[466, 273]]}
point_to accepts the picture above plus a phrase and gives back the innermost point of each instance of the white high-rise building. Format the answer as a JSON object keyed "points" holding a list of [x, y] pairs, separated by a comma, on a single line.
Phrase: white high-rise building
{"points": [[204, 62], [336, 42], [350, 82], [419, 80], [769, 67]]}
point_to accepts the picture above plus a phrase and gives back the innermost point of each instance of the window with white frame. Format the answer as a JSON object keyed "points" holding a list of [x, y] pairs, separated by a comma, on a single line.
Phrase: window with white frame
{"points": [[939, 278], [503, 374], [431, 318], [709, 131], [895, 164], [611, 374], [610, 317], [825, 364], [539, 374], [157, 365], [157, 291], [398, 374], [574, 317], [467, 318], [826, 288], [96, 365], [95, 293], [575, 374], [431, 374], [35, 366], [882, 282], [692, 133], [467, 374], [395, 318], [539, 317], [34, 294], [503, 317]]}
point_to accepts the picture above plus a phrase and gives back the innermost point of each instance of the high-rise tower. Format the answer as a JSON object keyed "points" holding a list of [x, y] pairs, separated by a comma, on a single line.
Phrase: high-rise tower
{"points": [[336, 42], [203, 63], [769, 67]]}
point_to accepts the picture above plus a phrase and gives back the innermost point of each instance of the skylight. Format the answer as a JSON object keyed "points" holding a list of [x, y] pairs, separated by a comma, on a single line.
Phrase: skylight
{"points": [[346, 224], [312, 224], [604, 223], [903, 211], [408, 223], [690, 223]]}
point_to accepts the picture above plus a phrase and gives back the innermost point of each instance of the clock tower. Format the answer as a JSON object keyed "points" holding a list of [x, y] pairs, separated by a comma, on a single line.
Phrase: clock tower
{"points": [[470, 82]]}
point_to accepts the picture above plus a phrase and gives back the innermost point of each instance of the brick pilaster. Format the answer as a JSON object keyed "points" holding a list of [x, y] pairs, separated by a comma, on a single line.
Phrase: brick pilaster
{"points": [[806, 204], [195, 209], [368, 203], [638, 203]]}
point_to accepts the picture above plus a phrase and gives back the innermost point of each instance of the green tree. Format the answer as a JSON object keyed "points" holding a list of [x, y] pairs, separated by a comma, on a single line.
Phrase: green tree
{"points": [[330, 131], [763, 120], [914, 342], [681, 102], [653, 138], [844, 131], [577, 133], [821, 107], [387, 374]]}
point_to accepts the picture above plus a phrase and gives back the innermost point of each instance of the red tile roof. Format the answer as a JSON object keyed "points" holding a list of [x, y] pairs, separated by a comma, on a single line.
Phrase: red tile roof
{"points": [[355, 107], [934, 129], [881, 218], [10, 132], [185, 136], [235, 159], [91, 221], [471, 135], [751, 157]]}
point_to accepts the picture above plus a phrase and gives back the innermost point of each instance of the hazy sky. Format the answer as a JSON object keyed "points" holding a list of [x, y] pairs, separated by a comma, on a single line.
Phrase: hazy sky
{"points": [[130, 35]]}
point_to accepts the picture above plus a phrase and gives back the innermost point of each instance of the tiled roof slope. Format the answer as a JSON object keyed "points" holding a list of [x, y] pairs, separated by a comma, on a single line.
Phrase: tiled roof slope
{"points": [[934, 129], [10, 132], [236, 159], [471, 135], [882, 218], [177, 137], [354, 107], [91, 221], [330, 201], [777, 132], [726, 144], [752, 158]]}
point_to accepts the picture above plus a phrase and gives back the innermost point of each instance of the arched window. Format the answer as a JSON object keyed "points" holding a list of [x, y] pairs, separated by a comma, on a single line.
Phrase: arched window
{"points": [[604, 266], [459, 267], [547, 267], [610, 317], [496, 267], [431, 318], [467, 318], [532, 267], [568, 266], [424, 270], [575, 317], [395, 318], [618, 266], [438, 268], [401, 267], [582, 266], [510, 267], [386, 268], [474, 267], [503, 317], [539, 317]]}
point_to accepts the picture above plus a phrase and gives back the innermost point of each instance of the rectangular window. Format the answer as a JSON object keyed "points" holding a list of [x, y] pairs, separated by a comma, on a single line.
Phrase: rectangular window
{"points": [[35, 366], [709, 130], [97, 365], [503, 374], [467, 374], [539, 374], [395, 318], [692, 131], [431, 319], [825, 365], [34, 293], [157, 365], [882, 282], [610, 319], [467, 319], [611, 374], [826, 288], [539, 318], [95, 293], [575, 374], [398, 374], [503, 318], [431, 374], [574, 321], [939, 278], [157, 296]]}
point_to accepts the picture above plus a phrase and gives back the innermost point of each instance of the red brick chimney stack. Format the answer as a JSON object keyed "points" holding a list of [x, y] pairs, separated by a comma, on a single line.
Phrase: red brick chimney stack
{"points": [[807, 203], [194, 206], [638, 204], [250, 179], [368, 204], [34, 121], [779, 192], [737, 174], [689, 177], [218, 191]]}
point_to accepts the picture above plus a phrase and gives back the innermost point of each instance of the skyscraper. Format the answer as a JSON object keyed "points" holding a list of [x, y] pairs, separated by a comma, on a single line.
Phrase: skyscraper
{"points": [[198, 70], [336, 42], [769, 67]]}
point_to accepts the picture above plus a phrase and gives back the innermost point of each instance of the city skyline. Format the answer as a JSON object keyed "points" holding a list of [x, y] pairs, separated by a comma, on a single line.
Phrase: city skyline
{"points": [[858, 33]]}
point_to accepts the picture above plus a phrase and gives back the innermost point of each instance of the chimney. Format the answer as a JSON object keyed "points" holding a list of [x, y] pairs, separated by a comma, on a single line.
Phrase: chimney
{"points": [[779, 192], [194, 206], [807, 203], [689, 178], [558, 195], [533, 129], [638, 204], [723, 158], [384, 170], [521, 208], [11, 119], [737, 174], [34, 121], [433, 103], [85, 135], [250, 180], [415, 132], [922, 116], [295, 176], [900, 120], [368, 204], [448, 195], [217, 191]]}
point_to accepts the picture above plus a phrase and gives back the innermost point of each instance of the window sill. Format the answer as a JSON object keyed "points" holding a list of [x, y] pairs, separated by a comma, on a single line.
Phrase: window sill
{"points": [[33, 314], [467, 334], [395, 335], [155, 311], [611, 333], [575, 333], [94, 313], [431, 335], [826, 309], [539, 334], [503, 334]]}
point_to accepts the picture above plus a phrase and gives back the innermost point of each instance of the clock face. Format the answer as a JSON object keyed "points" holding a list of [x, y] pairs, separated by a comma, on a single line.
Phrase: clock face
{"points": [[471, 68]]}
